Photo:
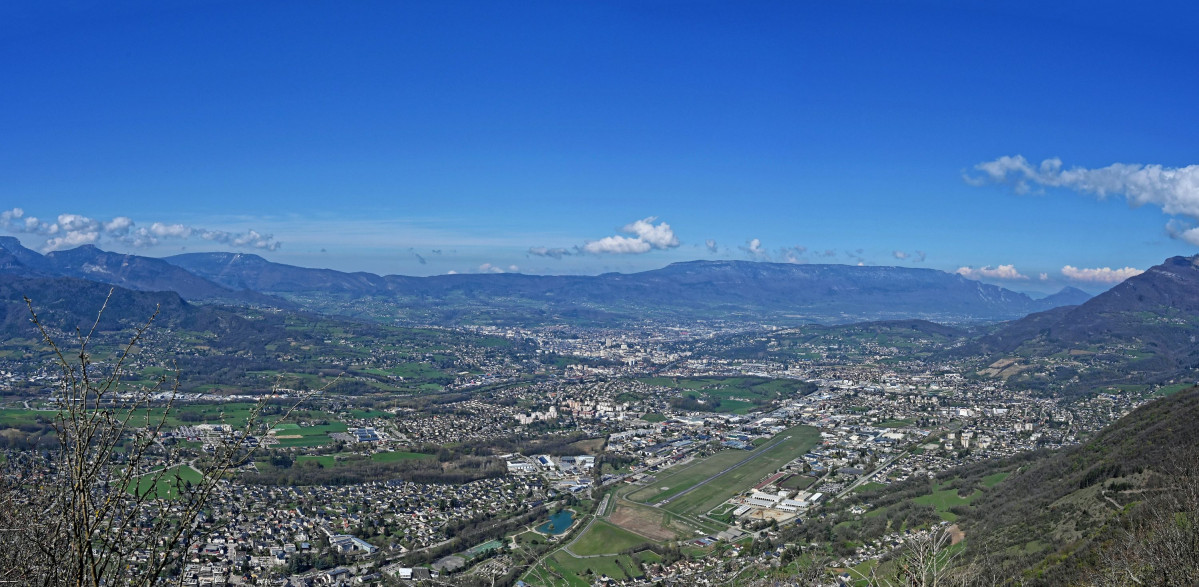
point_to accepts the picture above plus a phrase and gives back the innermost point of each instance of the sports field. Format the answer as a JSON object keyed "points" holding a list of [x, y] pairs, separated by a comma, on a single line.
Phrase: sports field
{"points": [[168, 484], [701, 486]]}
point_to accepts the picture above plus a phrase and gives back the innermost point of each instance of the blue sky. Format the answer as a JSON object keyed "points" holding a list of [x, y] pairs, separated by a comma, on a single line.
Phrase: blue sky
{"points": [[558, 137]]}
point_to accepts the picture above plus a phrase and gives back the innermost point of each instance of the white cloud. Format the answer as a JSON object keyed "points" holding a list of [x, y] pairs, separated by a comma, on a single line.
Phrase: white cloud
{"points": [[899, 255], [646, 237], [118, 226], [76, 223], [617, 245], [754, 247], [1173, 189], [1044, 277], [489, 268], [170, 230], [988, 272], [659, 236], [711, 244], [1181, 231], [73, 238], [1100, 274], [72, 230]]}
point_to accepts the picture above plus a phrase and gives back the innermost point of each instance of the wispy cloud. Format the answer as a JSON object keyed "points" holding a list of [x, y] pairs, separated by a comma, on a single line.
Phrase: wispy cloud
{"points": [[914, 257], [796, 254], [553, 253], [793, 254], [988, 272], [1100, 274], [1173, 189], [711, 244], [72, 230]]}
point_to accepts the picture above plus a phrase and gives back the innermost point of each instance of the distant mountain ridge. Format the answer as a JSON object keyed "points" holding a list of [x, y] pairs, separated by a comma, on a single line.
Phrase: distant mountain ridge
{"points": [[694, 289], [129, 271]]}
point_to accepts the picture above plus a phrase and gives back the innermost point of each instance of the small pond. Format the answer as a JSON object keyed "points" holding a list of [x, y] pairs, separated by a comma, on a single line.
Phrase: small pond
{"points": [[559, 523]]}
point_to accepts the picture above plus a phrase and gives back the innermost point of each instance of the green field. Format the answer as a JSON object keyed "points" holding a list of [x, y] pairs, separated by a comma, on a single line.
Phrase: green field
{"points": [[734, 395], [10, 418], [309, 435], [870, 486], [994, 479], [791, 443], [323, 460], [944, 499], [797, 482], [167, 485], [562, 569], [604, 538], [367, 414]]}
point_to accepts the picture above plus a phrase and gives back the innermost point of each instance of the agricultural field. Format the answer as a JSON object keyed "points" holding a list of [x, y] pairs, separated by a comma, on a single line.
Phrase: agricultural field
{"points": [[604, 538], [561, 569]]}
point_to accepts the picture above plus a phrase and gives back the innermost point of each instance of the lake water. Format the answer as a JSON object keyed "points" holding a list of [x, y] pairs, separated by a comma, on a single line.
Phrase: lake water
{"points": [[559, 523]]}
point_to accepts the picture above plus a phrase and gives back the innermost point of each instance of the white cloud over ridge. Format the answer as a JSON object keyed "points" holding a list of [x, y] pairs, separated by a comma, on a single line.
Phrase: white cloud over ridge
{"points": [[646, 236], [72, 230], [754, 247], [1173, 189], [1100, 274], [988, 272]]}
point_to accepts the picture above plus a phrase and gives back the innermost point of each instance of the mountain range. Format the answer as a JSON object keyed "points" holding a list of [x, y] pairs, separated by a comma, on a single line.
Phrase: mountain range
{"points": [[1145, 328], [696, 290], [689, 290], [128, 271]]}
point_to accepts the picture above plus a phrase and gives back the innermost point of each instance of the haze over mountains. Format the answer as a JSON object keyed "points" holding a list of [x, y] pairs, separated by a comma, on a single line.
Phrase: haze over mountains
{"points": [[779, 292], [691, 290]]}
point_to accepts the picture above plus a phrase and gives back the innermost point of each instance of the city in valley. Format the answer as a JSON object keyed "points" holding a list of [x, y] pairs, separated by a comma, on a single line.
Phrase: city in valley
{"points": [[673, 453], [584, 294]]}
